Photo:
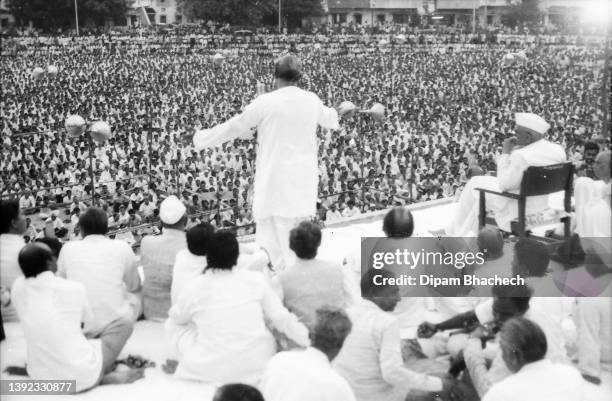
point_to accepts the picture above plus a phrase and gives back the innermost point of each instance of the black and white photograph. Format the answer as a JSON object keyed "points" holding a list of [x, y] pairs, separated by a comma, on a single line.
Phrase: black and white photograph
{"points": [[305, 200]]}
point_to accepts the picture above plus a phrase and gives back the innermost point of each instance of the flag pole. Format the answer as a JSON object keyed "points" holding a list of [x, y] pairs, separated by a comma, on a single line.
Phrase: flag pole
{"points": [[76, 17]]}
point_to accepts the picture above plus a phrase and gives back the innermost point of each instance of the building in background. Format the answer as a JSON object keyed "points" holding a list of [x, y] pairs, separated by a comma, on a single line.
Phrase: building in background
{"points": [[481, 13], [155, 12], [373, 11]]}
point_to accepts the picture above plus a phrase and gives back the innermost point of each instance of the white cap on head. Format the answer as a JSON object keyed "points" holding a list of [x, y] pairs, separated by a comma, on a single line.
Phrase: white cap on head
{"points": [[171, 210], [532, 121]]}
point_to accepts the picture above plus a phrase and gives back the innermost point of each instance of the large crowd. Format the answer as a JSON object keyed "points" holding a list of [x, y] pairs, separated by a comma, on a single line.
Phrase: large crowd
{"points": [[448, 106]]}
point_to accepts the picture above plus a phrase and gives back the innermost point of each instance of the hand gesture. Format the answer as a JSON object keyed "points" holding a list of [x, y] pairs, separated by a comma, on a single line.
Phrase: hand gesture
{"points": [[426, 330]]}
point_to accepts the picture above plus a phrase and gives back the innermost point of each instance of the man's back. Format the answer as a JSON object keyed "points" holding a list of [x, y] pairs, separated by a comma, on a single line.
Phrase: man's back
{"points": [[101, 265], [287, 120], [311, 284], [303, 375], [537, 381], [158, 254], [51, 310]]}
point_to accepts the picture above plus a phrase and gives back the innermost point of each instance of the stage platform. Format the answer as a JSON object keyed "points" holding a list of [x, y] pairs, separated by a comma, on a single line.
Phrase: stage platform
{"points": [[339, 241]]}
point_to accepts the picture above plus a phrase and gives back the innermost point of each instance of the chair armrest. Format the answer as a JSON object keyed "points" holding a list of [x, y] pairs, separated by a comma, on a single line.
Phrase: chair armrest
{"points": [[504, 194]]}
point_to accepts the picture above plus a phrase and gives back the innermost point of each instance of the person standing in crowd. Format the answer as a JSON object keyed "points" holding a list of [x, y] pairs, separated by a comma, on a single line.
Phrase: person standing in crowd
{"points": [[306, 375], [12, 229], [52, 312], [310, 283], [106, 268], [217, 327], [286, 179], [534, 378], [191, 262], [370, 359], [158, 254], [591, 196], [529, 148]]}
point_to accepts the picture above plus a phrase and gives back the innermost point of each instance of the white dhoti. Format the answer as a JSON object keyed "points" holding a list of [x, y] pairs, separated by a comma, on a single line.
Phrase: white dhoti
{"points": [[465, 222], [273, 235], [587, 191]]}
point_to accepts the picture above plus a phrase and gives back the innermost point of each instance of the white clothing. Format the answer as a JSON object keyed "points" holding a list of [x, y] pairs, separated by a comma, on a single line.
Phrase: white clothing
{"points": [[594, 323], [332, 216], [187, 266], [588, 196], [51, 310], [273, 235], [371, 359], [217, 328], [538, 312], [107, 269], [304, 375], [286, 173], [10, 245], [510, 169], [539, 381]]}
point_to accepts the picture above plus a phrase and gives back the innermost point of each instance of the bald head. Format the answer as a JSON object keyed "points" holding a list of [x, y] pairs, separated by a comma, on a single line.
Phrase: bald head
{"points": [[34, 259], [601, 166], [288, 69], [398, 223]]}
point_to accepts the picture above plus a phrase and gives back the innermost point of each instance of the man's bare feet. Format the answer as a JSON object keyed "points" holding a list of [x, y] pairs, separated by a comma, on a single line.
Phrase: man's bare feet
{"points": [[170, 366], [123, 376]]}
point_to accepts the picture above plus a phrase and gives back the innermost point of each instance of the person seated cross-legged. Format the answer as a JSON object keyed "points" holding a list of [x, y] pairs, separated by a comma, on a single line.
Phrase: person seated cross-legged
{"points": [[52, 310], [217, 327]]}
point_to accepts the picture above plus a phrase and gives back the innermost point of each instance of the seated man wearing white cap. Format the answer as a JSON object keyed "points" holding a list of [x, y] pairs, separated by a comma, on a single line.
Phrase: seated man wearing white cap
{"points": [[528, 149], [158, 254]]}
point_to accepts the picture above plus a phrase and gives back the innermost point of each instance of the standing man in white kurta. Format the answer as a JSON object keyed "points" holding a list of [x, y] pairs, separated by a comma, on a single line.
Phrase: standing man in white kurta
{"points": [[528, 148], [286, 178]]}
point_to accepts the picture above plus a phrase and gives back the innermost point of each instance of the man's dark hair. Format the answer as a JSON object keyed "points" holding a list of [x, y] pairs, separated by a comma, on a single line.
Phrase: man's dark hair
{"points": [[198, 238], [517, 296], [305, 240], [9, 210], [532, 255], [222, 250], [288, 68], [53, 243], [525, 338], [33, 259], [398, 223], [93, 221], [237, 392], [331, 328]]}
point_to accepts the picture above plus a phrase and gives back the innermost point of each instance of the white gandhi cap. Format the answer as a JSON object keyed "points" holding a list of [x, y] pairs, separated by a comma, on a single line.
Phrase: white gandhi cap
{"points": [[532, 121], [171, 210]]}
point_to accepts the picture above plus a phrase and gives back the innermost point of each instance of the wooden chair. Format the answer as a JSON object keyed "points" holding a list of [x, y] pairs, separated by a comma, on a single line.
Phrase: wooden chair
{"points": [[536, 181]]}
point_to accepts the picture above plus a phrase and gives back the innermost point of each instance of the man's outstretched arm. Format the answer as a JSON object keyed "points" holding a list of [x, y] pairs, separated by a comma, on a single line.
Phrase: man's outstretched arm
{"points": [[238, 126]]}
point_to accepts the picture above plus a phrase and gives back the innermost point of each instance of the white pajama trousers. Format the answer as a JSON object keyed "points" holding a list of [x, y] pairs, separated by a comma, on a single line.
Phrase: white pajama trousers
{"points": [[273, 235]]}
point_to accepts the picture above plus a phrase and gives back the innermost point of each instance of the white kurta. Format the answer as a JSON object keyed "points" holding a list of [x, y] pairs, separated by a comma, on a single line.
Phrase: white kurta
{"points": [[304, 376], [510, 169], [286, 177], [539, 381]]}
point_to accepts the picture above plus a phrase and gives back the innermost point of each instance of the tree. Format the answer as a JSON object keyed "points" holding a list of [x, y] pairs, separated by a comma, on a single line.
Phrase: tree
{"points": [[251, 12], [50, 15], [525, 13], [235, 12]]}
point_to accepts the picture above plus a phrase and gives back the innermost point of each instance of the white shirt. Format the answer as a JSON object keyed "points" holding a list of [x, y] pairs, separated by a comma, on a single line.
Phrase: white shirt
{"points": [[371, 359], [10, 245], [218, 327], [304, 375], [51, 310], [107, 269], [187, 266], [539, 381], [286, 180]]}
